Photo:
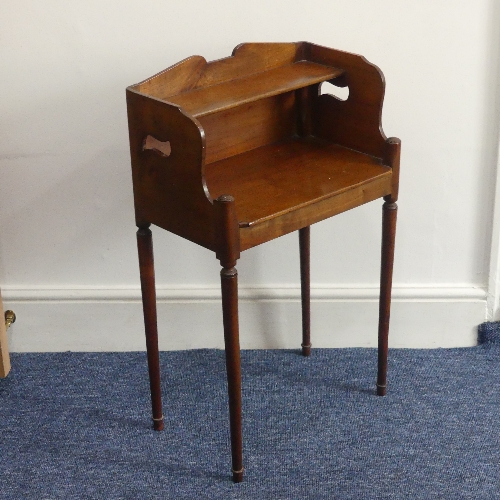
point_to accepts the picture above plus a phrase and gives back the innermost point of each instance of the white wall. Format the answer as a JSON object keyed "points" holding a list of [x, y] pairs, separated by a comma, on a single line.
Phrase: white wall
{"points": [[67, 243]]}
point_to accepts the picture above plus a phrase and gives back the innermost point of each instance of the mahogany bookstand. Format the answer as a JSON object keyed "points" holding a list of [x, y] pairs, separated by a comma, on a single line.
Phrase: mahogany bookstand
{"points": [[236, 152]]}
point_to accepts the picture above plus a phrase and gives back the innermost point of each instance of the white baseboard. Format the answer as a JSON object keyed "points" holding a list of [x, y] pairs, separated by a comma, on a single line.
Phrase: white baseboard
{"points": [[110, 319]]}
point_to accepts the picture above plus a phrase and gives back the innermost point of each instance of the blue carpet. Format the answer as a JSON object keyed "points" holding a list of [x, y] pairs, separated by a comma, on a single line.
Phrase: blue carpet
{"points": [[77, 426]]}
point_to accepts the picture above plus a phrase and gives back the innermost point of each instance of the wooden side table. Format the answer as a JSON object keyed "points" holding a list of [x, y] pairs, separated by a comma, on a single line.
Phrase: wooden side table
{"points": [[239, 151]]}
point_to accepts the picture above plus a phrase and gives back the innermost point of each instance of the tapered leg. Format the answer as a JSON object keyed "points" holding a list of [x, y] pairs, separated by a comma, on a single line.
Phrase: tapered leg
{"points": [[229, 285], [305, 285], [389, 214], [147, 271]]}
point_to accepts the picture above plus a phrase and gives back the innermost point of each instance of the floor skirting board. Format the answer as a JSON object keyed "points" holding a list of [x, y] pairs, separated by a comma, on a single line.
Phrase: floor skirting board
{"points": [[110, 319]]}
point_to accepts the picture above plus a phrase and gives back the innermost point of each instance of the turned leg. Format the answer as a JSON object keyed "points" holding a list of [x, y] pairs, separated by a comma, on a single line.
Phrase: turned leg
{"points": [[147, 271], [305, 285], [389, 214], [229, 285], [228, 252]]}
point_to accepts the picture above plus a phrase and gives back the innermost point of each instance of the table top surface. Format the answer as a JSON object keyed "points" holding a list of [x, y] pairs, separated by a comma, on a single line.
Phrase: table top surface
{"points": [[275, 179]]}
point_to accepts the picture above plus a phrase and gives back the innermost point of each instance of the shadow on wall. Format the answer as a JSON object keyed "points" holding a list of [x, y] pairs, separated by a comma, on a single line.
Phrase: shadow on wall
{"points": [[491, 121]]}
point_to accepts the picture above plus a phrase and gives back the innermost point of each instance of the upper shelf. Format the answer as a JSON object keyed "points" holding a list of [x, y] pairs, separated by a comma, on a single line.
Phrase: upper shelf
{"points": [[232, 93]]}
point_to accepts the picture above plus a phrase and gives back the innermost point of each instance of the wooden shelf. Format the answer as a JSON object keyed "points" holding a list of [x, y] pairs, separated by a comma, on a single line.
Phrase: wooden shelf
{"points": [[227, 95], [273, 180]]}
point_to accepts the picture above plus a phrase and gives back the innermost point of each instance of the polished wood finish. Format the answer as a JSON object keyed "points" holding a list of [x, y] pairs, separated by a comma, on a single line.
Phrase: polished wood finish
{"points": [[356, 122], [147, 273], [305, 98], [238, 92], [228, 253], [305, 287], [195, 72], [249, 126], [169, 192], [310, 214], [389, 214], [232, 153], [393, 159], [174, 192], [229, 286], [289, 176]]}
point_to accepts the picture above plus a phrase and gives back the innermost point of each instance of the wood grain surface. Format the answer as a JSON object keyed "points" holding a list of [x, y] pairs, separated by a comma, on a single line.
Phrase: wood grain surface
{"points": [[274, 180]]}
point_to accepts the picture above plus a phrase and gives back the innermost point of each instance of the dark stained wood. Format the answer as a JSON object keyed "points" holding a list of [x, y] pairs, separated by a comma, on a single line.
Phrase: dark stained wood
{"points": [[356, 122], [240, 91], [389, 215], [287, 176], [251, 236], [228, 253], [232, 153], [228, 235], [248, 59], [229, 287], [250, 126], [147, 273], [194, 72], [169, 192], [393, 159], [305, 287], [172, 192], [305, 99], [178, 78]]}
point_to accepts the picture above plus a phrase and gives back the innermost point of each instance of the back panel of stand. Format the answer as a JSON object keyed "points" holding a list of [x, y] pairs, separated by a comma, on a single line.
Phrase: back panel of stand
{"points": [[249, 126]]}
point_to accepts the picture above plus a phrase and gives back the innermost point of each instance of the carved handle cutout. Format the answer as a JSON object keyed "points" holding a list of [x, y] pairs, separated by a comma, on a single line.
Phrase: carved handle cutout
{"points": [[162, 148], [340, 91]]}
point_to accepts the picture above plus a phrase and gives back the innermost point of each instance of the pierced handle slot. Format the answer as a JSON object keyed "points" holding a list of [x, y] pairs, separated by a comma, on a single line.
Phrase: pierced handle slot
{"points": [[159, 147]]}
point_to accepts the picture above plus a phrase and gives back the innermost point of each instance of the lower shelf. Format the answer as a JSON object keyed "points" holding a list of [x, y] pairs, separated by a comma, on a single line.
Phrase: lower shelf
{"points": [[274, 180]]}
